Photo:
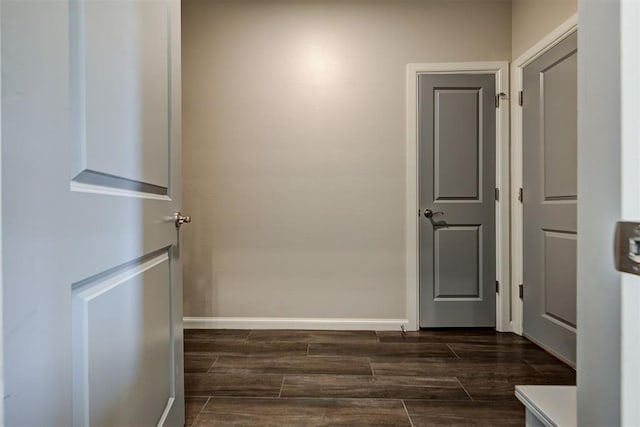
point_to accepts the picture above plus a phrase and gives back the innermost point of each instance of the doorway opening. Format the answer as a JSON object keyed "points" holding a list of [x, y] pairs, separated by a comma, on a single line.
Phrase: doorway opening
{"points": [[499, 71]]}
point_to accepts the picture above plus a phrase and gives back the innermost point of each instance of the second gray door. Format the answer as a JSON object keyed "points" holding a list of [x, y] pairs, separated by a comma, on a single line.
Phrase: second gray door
{"points": [[550, 198], [457, 183]]}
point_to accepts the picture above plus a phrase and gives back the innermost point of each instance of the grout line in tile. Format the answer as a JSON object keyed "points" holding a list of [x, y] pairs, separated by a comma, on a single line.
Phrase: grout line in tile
{"points": [[465, 390], [214, 362], [281, 386], [200, 412], [407, 412], [452, 351]]}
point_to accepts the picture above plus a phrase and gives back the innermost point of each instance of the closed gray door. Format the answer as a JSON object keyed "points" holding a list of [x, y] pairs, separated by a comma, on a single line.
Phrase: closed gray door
{"points": [[550, 198], [457, 178]]}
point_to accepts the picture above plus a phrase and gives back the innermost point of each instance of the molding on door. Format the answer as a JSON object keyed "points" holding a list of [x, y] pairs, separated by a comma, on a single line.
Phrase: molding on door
{"points": [[337, 324], [552, 39], [501, 71]]}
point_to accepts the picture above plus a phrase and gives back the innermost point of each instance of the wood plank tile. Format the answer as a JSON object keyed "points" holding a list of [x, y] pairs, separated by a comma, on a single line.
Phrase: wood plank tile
{"points": [[303, 412], [252, 349], [553, 369], [339, 365], [450, 336], [201, 385], [503, 387], [449, 368], [216, 334], [192, 407], [354, 386], [434, 413], [198, 362], [382, 349], [516, 352], [314, 336]]}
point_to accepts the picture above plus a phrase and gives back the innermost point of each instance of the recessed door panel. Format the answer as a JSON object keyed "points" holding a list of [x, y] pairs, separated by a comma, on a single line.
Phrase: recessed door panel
{"points": [[458, 149], [560, 250], [121, 93], [550, 198], [457, 272], [456, 153], [560, 139], [123, 346]]}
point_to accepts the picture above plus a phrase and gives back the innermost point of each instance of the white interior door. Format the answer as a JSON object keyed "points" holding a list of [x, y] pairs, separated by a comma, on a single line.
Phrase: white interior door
{"points": [[91, 167], [630, 196]]}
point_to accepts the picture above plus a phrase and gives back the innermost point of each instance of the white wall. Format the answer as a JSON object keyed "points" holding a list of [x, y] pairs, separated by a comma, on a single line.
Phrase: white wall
{"points": [[599, 207], [534, 19], [294, 139]]}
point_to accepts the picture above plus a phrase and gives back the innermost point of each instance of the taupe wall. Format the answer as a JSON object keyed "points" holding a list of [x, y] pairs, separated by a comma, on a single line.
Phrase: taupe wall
{"points": [[294, 147], [534, 19]]}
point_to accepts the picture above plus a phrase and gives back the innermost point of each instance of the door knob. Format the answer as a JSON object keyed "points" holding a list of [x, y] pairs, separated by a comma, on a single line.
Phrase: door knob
{"points": [[181, 219], [428, 213]]}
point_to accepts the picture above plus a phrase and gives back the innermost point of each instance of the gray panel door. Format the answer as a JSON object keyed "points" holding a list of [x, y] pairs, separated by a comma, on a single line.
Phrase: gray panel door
{"points": [[457, 178], [92, 273], [550, 198]]}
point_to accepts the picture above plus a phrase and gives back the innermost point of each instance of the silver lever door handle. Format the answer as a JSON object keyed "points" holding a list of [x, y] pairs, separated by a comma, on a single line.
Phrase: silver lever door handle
{"points": [[428, 213], [181, 219]]}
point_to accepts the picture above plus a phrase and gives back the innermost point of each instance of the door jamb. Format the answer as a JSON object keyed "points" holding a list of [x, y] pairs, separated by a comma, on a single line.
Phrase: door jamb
{"points": [[565, 29], [501, 70]]}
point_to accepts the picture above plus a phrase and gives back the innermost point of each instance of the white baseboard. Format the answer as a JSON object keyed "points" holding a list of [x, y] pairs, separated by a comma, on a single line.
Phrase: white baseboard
{"points": [[295, 323]]}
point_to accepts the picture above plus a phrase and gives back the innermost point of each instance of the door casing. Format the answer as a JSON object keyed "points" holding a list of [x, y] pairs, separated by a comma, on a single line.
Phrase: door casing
{"points": [[567, 28], [501, 71]]}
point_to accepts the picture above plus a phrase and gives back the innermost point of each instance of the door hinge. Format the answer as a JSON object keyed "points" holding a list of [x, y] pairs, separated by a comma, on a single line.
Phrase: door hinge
{"points": [[498, 97], [497, 194], [521, 98], [521, 195], [521, 291], [497, 287]]}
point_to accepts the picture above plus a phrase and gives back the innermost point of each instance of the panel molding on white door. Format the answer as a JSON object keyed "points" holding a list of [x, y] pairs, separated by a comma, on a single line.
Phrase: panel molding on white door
{"points": [[128, 310], [121, 94]]}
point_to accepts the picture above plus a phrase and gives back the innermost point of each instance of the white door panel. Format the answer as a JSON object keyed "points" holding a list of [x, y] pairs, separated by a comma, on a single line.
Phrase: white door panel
{"points": [[91, 168]]}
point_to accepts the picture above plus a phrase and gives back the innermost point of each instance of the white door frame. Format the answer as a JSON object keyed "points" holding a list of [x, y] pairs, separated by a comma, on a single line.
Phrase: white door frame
{"points": [[1, 258], [501, 71], [567, 28]]}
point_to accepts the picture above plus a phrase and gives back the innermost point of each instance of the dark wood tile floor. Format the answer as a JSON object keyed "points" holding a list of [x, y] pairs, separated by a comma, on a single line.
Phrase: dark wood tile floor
{"points": [[335, 378]]}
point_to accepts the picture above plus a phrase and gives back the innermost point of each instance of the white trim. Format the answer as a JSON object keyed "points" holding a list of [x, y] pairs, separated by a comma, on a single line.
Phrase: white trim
{"points": [[110, 191], [551, 405], [338, 324], [1, 256], [501, 71], [556, 36], [630, 153]]}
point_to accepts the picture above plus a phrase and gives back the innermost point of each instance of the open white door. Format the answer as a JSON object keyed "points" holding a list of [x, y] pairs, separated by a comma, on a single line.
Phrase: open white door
{"points": [[91, 179], [630, 298]]}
